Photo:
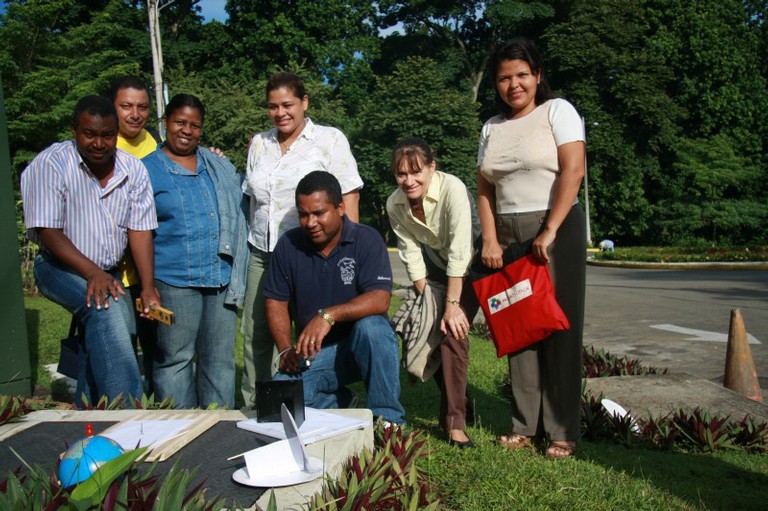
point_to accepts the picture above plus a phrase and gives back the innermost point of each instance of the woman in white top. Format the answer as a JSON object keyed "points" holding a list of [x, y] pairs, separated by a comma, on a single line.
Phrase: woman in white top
{"points": [[530, 168], [277, 160], [431, 215]]}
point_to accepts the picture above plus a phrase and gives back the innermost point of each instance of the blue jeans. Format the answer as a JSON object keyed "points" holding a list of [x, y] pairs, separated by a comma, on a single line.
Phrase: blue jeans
{"points": [[370, 353], [108, 364], [203, 327]]}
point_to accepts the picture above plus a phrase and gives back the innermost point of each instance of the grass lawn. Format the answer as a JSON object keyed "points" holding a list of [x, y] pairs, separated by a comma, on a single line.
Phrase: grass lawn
{"points": [[602, 476]]}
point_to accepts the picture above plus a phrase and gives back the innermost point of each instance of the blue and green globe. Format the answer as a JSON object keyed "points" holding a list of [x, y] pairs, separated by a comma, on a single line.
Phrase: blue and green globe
{"points": [[83, 457]]}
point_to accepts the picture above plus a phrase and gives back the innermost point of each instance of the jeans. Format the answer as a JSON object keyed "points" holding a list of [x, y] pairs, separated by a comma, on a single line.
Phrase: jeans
{"points": [[204, 327], [144, 337], [108, 364], [258, 347], [370, 353]]}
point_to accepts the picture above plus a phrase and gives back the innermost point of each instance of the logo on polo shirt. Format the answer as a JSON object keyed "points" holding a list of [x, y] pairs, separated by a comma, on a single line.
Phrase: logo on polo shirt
{"points": [[347, 267]]}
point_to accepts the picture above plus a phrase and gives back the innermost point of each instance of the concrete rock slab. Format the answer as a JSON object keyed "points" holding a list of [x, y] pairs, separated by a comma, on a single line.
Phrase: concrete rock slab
{"points": [[661, 394]]}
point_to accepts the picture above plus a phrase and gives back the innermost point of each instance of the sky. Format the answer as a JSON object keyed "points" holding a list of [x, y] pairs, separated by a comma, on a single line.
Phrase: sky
{"points": [[214, 10]]}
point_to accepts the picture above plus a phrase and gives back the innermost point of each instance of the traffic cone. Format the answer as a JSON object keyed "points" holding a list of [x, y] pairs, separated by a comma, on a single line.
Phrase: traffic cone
{"points": [[740, 374]]}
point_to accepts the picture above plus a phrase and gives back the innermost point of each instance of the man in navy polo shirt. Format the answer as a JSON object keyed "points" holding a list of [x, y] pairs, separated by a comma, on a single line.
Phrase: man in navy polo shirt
{"points": [[334, 276]]}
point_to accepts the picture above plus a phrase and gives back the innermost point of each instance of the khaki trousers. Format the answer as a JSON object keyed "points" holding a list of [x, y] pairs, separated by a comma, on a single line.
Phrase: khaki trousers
{"points": [[258, 347]]}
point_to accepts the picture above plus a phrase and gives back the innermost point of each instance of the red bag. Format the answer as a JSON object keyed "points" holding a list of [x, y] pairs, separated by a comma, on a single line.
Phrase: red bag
{"points": [[519, 305]]}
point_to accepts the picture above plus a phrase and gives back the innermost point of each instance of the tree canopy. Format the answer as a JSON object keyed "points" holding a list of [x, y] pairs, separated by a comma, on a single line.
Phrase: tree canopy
{"points": [[674, 93]]}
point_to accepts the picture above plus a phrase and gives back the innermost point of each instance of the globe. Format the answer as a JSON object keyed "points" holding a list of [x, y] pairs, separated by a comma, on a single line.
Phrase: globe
{"points": [[83, 457]]}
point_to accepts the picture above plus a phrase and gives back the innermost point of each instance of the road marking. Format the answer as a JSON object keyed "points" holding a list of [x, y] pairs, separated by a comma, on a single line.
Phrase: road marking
{"points": [[701, 335]]}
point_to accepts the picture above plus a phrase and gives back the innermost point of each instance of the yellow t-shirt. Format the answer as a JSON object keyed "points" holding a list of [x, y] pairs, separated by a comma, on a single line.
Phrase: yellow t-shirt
{"points": [[139, 147]]}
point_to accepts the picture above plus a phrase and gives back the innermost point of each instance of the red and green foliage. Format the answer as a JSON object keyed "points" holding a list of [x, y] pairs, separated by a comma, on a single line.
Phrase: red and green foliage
{"points": [[601, 363], [749, 434], [694, 430], [386, 478], [659, 432], [12, 407], [594, 418], [702, 431]]}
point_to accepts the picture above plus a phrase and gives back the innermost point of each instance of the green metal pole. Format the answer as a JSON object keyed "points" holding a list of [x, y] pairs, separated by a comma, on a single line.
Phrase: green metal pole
{"points": [[15, 373]]}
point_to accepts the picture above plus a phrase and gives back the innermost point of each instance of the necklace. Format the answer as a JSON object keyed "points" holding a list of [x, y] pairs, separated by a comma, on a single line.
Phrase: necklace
{"points": [[284, 145], [417, 210]]}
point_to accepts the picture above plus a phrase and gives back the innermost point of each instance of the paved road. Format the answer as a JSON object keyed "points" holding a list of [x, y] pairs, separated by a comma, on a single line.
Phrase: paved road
{"points": [[675, 319], [625, 308]]}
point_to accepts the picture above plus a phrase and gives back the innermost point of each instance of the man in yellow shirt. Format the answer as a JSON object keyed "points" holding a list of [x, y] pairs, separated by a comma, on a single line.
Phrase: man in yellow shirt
{"points": [[131, 98]]}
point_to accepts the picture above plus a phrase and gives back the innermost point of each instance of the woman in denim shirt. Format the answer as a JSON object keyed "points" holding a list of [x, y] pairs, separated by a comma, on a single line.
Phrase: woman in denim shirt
{"points": [[200, 261]]}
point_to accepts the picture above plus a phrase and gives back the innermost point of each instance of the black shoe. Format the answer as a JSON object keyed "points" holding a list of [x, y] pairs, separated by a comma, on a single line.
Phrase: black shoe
{"points": [[469, 444]]}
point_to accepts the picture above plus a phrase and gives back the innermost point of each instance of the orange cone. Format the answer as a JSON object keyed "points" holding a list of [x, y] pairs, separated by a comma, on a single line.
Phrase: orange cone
{"points": [[740, 374]]}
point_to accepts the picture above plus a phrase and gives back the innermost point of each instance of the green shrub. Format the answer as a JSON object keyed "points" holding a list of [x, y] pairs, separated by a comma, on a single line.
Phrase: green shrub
{"points": [[707, 254]]}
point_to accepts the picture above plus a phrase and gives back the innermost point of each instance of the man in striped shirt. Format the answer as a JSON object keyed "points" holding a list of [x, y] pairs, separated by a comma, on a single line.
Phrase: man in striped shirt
{"points": [[84, 201]]}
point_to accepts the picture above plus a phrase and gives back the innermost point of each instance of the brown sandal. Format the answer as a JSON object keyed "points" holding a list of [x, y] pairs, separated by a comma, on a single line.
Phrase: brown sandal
{"points": [[561, 449], [514, 441]]}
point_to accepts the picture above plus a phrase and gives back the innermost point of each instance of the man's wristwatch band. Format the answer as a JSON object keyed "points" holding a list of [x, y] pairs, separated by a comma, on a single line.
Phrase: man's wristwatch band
{"points": [[324, 314]]}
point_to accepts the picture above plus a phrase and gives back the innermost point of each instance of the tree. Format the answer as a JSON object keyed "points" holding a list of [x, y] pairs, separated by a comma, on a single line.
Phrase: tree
{"points": [[415, 100], [648, 76], [721, 86], [601, 61], [199, 47], [327, 37], [54, 53], [466, 30], [712, 199]]}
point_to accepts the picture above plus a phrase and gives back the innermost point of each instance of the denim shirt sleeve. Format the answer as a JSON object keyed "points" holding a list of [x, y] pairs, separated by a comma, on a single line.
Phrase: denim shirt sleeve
{"points": [[233, 209]]}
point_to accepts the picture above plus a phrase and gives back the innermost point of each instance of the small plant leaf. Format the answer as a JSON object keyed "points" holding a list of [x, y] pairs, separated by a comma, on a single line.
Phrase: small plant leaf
{"points": [[91, 492]]}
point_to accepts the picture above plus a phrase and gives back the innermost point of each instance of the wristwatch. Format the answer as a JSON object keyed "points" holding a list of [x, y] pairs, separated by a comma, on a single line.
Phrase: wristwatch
{"points": [[324, 314]]}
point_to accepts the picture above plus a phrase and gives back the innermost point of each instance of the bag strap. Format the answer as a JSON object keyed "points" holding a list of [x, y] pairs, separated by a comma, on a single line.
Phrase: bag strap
{"points": [[154, 134], [73, 325], [512, 253], [255, 152]]}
